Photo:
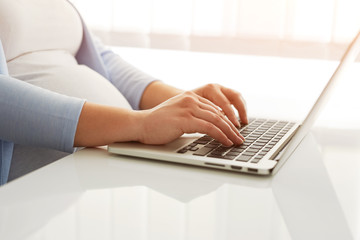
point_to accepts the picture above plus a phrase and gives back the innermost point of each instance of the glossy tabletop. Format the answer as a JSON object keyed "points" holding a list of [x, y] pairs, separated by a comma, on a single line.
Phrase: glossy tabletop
{"points": [[94, 195]]}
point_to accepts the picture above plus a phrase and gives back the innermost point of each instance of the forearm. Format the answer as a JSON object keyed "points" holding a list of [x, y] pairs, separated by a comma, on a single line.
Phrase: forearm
{"points": [[101, 125], [33, 116], [156, 93]]}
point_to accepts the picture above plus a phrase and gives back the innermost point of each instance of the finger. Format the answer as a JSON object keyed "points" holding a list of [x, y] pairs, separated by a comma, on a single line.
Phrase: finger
{"points": [[205, 127], [227, 110], [201, 99], [239, 103], [208, 102], [235, 129], [220, 122], [222, 115], [209, 106], [220, 99], [215, 109]]}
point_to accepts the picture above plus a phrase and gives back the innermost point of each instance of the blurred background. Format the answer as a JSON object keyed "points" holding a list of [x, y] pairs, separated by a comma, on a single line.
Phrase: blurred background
{"points": [[290, 48], [295, 28]]}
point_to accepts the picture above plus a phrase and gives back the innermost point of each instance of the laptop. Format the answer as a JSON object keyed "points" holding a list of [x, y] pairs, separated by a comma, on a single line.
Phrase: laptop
{"points": [[268, 142]]}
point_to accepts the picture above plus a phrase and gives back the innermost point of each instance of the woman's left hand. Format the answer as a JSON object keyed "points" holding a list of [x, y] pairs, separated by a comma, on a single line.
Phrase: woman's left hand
{"points": [[225, 98]]}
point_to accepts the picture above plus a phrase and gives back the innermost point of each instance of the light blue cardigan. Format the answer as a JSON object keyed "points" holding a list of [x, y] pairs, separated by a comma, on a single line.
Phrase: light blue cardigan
{"points": [[30, 115]]}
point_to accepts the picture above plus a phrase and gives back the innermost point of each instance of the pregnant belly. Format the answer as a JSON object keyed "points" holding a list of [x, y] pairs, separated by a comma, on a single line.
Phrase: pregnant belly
{"points": [[67, 77]]}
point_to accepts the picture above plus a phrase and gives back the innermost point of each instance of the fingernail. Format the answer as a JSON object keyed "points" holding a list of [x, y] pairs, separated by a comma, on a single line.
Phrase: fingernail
{"points": [[229, 143]]}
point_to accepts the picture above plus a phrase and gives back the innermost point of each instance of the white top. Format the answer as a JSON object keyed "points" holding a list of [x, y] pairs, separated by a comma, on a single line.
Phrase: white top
{"points": [[40, 39], [38, 25]]}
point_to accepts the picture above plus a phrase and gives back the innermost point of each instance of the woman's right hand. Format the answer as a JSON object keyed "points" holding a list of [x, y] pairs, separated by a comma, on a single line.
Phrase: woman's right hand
{"points": [[186, 113]]}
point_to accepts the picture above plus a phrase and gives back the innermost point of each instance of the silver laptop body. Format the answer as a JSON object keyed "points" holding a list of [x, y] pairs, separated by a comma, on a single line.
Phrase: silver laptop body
{"points": [[268, 143]]}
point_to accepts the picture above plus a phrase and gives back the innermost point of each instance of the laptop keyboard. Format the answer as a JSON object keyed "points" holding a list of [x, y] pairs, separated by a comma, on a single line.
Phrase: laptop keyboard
{"points": [[261, 136]]}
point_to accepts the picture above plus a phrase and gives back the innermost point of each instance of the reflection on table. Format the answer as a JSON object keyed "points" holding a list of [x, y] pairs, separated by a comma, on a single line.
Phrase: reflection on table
{"points": [[95, 195]]}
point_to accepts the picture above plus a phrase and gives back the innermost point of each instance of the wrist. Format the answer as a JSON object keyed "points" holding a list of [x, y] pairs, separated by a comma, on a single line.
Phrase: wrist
{"points": [[135, 125], [101, 125]]}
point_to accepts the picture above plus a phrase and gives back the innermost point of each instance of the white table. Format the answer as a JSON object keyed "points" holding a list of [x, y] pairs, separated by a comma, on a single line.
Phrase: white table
{"points": [[94, 195]]}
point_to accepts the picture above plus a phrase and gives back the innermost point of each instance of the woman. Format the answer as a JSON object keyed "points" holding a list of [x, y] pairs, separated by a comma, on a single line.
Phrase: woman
{"points": [[49, 63]]}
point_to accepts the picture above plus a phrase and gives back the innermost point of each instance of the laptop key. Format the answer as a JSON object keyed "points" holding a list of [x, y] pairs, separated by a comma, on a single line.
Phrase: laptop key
{"points": [[194, 149], [229, 157], [256, 159], [183, 150], [203, 151], [243, 158], [213, 145], [256, 147], [248, 153], [216, 154], [252, 150], [232, 153], [236, 151]]}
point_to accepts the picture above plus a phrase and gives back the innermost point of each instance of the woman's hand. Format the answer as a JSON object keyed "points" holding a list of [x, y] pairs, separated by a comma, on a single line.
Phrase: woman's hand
{"points": [[189, 113], [225, 98], [205, 110]]}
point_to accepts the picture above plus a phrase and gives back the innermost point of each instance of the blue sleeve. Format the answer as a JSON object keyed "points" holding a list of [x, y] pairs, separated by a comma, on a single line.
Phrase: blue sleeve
{"points": [[33, 116], [130, 81]]}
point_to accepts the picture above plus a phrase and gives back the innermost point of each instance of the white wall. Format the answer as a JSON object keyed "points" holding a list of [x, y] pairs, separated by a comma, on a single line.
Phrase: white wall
{"points": [[210, 25]]}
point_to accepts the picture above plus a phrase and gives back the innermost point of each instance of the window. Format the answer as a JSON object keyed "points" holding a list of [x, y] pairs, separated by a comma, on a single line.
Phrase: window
{"points": [[211, 25]]}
